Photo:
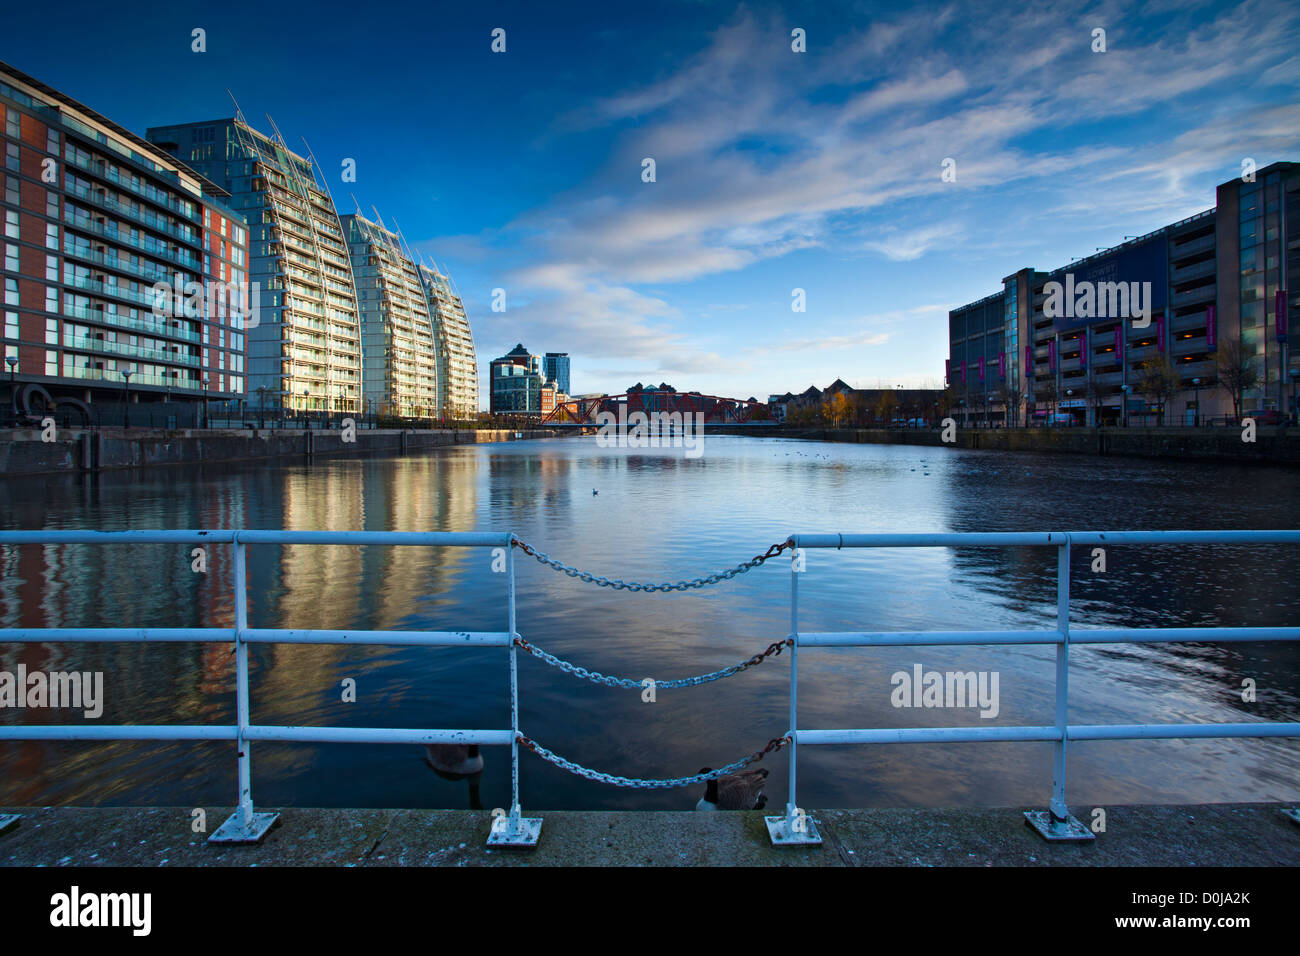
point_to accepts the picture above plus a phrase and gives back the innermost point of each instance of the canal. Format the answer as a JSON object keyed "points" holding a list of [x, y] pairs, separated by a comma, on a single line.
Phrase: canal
{"points": [[657, 515]]}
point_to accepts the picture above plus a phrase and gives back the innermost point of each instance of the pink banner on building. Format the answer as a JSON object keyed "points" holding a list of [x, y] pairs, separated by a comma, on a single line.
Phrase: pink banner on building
{"points": [[1002, 365], [1083, 349], [1280, 306], [963, 373], [981, 368], [1029, 360], [1160, 334], [1119, 343], [1211, 327], [947, 370], [1051, 356]]}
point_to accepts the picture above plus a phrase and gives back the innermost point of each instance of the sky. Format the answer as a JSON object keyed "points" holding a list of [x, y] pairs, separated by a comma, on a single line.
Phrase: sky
{"points": [[774, 170]]}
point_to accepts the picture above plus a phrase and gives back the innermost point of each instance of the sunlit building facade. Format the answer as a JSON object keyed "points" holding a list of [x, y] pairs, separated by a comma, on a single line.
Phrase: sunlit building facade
{"points": [[305, 352], [457, 371]]}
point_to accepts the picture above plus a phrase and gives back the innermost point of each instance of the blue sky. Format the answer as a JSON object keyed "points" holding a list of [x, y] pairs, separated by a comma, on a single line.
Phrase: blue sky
{"points": [[775, 170]]}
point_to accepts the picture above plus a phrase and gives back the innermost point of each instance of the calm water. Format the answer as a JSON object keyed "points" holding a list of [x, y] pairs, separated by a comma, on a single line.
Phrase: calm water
{"points": [[658, 516]]}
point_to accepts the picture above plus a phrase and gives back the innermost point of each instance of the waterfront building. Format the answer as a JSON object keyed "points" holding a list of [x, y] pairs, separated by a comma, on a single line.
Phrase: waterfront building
{"points": [[457, 365], [517, 383], [555, 366], [95, 219], [305, 352], [398, 357], [1225, 276]]}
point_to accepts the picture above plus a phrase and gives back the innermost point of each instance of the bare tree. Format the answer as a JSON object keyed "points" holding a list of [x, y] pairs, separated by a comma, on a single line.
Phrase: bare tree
{"points": [[1159, 382], [1238, 372]]}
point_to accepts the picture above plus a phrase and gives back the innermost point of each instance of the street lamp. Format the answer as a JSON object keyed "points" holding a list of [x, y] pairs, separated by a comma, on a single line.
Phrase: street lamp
{"points": [[1069, 393], [306, 416], [1196, 390], [205, 400], [261, 406], [126, 374], [1124, 399], [1295, 376], [13, 386]]}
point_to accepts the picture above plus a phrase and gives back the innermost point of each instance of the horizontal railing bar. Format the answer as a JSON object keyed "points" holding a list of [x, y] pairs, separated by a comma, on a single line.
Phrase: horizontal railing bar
{"points": [[1135, 635], [392, 638], [117, 732], [921, 638], [973, 539], [918, 735], [338, 735], [448, 539], [1167, 731], [1184, 537], [99, 635], [1164, 635], [378, 735]]}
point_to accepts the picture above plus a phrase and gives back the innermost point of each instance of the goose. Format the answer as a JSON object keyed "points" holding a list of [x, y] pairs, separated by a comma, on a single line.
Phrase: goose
{"points": [[735, 791], [455, 759]]}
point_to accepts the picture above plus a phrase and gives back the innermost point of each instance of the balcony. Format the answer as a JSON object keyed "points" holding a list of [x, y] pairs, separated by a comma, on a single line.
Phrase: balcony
{"points": [[1196, 270], [115, 235], [1192, 321], [133, 324], [146, 219], [150, 194], [93, 344], [1203, 293], [1181, 251]]}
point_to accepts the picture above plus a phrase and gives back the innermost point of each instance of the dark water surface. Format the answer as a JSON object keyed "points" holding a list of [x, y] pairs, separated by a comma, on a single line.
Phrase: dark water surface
{"points": [[658, 516]]}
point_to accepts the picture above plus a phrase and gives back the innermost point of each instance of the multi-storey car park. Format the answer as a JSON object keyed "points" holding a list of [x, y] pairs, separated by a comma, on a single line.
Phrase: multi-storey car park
{"points": [[95, 220]]}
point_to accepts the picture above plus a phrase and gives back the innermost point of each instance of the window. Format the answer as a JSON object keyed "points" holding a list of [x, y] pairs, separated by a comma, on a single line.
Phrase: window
{"points": [[11, 257], [51, 236], [12, 160], [51, 204], [11, 224], [51, 331], [51, 141], [51, 268], [51, 299], [13, 124], [11, 352], [11, 292], [11, 325], [11, 189], [51, 362]]}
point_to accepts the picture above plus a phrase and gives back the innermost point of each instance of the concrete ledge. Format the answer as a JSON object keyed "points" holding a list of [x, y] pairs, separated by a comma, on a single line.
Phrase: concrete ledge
{"points": [[1215, 835]]}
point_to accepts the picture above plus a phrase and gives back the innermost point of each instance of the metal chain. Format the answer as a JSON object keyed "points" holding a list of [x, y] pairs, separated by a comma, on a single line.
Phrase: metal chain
{"points": [[776, 743], [604, 582], [596, 677]]}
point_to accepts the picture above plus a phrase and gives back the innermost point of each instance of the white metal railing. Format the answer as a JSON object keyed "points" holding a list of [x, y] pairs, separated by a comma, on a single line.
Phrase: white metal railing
{"points": [[245, 825], [794, 827], [1056, 823]]}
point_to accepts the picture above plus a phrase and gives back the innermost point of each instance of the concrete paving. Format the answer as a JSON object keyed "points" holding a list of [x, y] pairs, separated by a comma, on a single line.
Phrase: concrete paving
{"points": [[1216, 835]]}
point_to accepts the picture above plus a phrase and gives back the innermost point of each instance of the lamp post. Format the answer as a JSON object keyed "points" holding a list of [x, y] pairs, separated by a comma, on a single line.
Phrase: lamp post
{"points": [[261, 406], [306, 415], [1069, 394], [205, 400], [12, 362], [1124, 398], [126, 374], [1295, 376], [1196, 390]]}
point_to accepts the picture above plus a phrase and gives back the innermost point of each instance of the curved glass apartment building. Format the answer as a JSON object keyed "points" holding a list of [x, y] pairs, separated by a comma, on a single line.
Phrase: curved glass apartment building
{"points": [[454, 346], [305, 351]]}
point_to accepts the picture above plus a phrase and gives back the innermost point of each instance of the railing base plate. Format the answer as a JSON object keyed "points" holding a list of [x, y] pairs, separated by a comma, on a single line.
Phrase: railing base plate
{"points": [[523, 836], [234, 831], [782, 834], [1069, 830], [1292, 815], [8, 821]]}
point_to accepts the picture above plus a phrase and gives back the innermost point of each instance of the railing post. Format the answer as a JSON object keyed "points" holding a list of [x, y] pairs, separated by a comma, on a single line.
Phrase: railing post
{"points": [[1056, 824], [514, 830], [796, 827], [244, 825]]}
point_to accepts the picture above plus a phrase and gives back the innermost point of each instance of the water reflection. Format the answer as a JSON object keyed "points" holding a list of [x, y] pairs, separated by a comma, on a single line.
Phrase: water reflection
{"points": [[658, 516]]}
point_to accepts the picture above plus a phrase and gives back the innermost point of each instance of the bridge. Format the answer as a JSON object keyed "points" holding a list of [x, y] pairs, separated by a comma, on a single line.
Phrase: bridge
{"points": [[716, 411]]}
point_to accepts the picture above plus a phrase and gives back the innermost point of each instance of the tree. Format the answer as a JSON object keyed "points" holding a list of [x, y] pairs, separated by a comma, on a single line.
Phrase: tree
{"points": [[1238, 372], [1049, 394], [1159, 382], [885, 407], [1095, 393]]}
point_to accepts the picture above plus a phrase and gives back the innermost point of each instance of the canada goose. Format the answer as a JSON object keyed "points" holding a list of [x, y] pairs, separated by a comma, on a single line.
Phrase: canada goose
{"points": [[735, 791], [454, 759]]}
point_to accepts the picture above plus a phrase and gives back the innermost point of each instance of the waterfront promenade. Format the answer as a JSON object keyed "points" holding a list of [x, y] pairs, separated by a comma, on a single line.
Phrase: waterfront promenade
{"points": [[1194, 836]]}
